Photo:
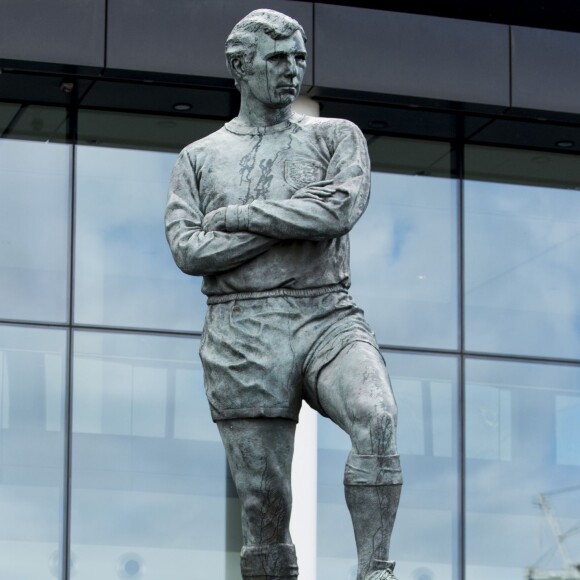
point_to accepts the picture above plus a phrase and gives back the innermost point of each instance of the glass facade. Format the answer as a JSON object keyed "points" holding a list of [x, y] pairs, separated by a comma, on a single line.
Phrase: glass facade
{"points": [[410, 232], [124, 273], [522, 466], [148, 468], [466, 263], [35, 182], [32, 450], [522, 301]]}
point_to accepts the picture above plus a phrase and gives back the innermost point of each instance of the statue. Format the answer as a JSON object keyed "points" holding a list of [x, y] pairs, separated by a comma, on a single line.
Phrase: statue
{"points": [[262, 209]]}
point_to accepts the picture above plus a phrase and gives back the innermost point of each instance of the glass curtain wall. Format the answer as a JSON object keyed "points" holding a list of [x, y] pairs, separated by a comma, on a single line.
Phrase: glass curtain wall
{"points": [[100, 380], [522, 417]]}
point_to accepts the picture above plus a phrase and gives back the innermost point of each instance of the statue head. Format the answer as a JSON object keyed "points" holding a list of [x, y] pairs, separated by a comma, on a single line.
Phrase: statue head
{"points": [[242, 42]]}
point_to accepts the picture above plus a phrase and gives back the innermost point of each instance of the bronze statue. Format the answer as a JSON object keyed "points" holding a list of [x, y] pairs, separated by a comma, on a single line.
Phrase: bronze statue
{"points": [[262, 209]]}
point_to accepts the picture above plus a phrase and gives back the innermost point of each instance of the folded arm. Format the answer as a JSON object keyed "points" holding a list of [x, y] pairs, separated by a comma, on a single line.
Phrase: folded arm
{"points": [[322, 210], [194, 250]]}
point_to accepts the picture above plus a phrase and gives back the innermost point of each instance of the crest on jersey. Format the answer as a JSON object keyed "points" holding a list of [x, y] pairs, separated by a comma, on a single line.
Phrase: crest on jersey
{"points": [[302, 172]]}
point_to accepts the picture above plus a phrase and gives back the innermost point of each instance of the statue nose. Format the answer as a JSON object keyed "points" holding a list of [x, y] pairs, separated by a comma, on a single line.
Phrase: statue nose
{"points": [[292, 68]]}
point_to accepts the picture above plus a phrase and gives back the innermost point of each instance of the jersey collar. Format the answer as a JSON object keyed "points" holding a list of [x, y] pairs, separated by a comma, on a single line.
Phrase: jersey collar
{"points": [[239, 128]]}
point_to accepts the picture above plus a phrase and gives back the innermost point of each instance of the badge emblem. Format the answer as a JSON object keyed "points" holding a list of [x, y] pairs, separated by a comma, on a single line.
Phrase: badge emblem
{"points": [[302, 172]]}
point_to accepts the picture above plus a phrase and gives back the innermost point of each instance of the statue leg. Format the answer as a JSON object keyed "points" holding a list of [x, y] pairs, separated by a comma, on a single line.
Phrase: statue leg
{"points": [[354, 390], [260, 453]]}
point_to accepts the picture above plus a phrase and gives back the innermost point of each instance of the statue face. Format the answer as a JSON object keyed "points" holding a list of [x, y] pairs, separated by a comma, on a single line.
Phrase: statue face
{"points": [[277, 71]]}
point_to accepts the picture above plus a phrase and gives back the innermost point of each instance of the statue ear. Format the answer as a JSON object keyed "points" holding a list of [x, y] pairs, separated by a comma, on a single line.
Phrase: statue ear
{"points": [[239, 66]]}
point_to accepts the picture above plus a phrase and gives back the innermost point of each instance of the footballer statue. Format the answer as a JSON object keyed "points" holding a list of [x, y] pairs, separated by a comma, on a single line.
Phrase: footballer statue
{"points": [[262, 209]]}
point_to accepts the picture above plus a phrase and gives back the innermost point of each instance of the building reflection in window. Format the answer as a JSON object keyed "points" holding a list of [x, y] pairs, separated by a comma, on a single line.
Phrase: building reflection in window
{"points": [[522, 441], [149, 471], [32, 445]]}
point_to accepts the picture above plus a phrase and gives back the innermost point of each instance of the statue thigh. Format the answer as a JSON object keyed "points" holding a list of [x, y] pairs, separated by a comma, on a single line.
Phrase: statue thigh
{"points": [[355, 392]]}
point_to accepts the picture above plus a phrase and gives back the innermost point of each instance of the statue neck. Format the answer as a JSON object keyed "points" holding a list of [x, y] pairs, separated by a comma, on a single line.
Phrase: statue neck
{"points": [[258, 115]]}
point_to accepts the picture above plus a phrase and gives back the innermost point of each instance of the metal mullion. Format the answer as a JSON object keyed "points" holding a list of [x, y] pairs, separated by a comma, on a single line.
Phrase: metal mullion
{"points": [[105, 328], [68, 405], [136, 330], [460, 161], [521, 358], [516, 358], [462, 471], [65, 573], [39, 324]]}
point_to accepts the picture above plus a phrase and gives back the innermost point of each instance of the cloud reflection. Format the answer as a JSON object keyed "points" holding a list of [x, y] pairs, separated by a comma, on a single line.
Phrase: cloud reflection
{"points": [[404, 260], [522, 273], [125, 274]]}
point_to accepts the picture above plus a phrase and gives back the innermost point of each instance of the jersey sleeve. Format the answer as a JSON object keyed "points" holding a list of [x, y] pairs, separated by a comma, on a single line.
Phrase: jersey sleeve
{"points": [[322, 210], [195, 251]]}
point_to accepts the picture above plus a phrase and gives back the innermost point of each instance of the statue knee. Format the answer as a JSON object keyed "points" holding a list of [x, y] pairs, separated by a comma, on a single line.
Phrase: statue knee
{"points": [[374, 429], [266, 510]]}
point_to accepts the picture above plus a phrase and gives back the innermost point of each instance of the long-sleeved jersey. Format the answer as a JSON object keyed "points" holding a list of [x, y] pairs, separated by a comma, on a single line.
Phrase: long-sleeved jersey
{"points": [[291, 194]]}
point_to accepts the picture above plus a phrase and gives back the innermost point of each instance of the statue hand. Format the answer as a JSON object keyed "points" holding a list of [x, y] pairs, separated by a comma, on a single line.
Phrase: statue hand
{"points": [[215, 221]]}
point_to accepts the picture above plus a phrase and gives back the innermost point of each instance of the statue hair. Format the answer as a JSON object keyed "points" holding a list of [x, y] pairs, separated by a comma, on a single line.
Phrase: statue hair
{"points": [[242, 41]]}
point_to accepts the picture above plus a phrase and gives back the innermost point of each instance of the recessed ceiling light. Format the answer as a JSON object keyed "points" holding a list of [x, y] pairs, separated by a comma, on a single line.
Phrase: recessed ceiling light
{"points": [[565, 144], [182, 107], [376, 124]]}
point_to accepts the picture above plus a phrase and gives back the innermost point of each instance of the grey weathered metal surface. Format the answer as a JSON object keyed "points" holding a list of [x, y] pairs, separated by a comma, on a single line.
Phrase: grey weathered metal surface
{"points": [[262, 209]]}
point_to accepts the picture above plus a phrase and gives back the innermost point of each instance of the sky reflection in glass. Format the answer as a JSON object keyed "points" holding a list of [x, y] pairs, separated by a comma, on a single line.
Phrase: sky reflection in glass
{"points": [[34, 225], [425, 535], [404, 260], [125, 275], [522, 269]]}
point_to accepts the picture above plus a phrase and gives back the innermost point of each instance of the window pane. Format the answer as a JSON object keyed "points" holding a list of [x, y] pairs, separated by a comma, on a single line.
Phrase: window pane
{"points": [[149, 470], [521, 259], [522, 468], [32, 387], [33, 122], [125, 275], [34, 226], [404, 260], [424, 542]]}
